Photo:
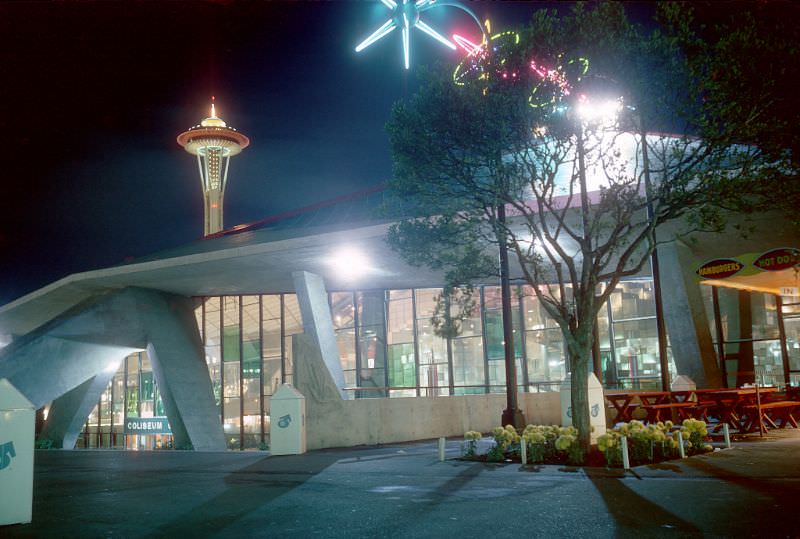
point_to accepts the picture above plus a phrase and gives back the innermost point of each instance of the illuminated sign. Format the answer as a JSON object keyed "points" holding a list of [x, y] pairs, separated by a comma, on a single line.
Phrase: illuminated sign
{"points": [[720, 268], [778, 259], [147, 425]]}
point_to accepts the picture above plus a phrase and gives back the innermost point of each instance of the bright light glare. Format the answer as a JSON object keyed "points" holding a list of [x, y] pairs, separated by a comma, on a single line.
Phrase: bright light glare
{"points": [[112, 367], [598, 112], [349, 263]]}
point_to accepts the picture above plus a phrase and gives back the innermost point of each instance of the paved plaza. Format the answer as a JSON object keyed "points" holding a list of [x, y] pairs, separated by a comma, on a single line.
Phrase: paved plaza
{"points": [[752, 490]]}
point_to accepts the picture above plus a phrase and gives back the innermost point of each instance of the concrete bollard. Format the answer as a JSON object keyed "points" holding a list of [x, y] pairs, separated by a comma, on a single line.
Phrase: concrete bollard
{"points": [[523, 452], [680, 445], [727, 434], [626, 461], [441, 449]]}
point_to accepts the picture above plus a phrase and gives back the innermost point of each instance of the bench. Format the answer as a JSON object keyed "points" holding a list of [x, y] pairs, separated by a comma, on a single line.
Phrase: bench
{"points": [[776, 414]]}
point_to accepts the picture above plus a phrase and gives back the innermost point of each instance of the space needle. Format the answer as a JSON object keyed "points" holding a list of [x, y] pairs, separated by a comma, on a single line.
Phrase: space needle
{"points": [[214, 143]]}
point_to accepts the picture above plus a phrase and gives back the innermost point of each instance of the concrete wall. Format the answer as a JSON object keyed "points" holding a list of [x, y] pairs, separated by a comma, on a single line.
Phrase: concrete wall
{"points": [[334, 422], [381, 421]]}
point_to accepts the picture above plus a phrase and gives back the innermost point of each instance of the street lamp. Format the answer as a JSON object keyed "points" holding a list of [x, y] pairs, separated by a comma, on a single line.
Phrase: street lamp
{"points": [[512, 415], [661, 329], [606, 113]]}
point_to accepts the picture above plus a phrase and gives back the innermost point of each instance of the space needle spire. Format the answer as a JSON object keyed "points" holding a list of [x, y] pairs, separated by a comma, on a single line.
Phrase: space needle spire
{"points": [[214, 143]]}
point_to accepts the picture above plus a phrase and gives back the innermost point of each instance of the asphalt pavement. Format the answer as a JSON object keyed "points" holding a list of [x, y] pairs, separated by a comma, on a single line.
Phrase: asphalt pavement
{"points": [[398, 491]]}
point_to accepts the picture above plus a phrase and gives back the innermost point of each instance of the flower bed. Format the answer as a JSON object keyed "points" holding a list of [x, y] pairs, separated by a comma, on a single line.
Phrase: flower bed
{"points": [[559, 445], [654, 442], [543, 444]]}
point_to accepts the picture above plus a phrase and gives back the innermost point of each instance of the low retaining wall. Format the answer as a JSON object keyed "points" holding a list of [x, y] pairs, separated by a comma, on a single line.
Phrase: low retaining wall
{"points": [[380, 421]]}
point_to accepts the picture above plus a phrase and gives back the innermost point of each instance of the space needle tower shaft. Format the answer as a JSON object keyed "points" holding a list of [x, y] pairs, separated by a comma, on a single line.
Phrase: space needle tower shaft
{"points": [[214, 143]]}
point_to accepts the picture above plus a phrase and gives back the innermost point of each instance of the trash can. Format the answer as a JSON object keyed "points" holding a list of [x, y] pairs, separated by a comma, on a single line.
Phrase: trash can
{"points": [[597, 406], [287, 413], [17, 427], [683, 383]]}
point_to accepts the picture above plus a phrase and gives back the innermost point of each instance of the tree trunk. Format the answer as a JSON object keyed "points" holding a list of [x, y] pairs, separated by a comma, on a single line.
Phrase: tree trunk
{"points": [[580, 349]]}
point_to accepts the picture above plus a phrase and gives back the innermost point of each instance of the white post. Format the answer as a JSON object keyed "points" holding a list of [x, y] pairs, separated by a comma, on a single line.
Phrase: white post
{"points": [[441, 449], [680, 445], [523, 452], [727, 434], [626, 461]]}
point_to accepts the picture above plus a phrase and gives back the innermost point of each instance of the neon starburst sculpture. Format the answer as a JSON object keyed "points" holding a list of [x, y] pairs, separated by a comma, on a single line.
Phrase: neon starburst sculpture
{"points": [[405, 14]]}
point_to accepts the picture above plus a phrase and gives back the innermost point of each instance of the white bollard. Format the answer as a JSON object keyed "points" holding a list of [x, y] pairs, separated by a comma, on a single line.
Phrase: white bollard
{"points": [[523, 452], [680, 445], [626, 461], [441, 449], [727, 434]]}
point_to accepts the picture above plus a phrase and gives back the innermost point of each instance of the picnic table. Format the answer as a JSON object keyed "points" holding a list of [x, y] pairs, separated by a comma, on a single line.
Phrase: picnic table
{"points": [[655, 403], [739, 408], [744, 409], [624, 405]]}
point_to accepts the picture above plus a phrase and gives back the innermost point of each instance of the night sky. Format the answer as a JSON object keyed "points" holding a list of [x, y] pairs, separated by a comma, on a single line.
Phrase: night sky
{"points": [[93, 95]]}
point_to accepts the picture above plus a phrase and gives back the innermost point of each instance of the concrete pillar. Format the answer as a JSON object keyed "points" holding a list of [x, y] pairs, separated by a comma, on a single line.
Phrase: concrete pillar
{"points": [[317, 323], [685, 317], [180, 370], [68, 413]]}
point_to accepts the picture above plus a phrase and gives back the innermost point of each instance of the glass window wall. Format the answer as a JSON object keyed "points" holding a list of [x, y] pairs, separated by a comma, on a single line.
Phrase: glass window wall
{"points": [[388, 348]]}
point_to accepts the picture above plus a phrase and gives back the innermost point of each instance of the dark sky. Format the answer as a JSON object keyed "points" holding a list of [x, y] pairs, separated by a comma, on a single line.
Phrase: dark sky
{"points": [[93, 95]]}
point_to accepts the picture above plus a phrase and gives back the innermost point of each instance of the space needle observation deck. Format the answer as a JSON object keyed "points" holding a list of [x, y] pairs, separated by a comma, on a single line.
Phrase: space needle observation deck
{"points": [[214, 143]]}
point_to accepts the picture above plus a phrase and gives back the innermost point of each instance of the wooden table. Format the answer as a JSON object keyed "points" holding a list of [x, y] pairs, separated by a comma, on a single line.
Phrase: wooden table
{"points": [[729, 405]]}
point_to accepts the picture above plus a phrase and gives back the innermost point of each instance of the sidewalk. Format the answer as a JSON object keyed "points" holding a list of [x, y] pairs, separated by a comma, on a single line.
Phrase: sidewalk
{"points": [[752, 490]]}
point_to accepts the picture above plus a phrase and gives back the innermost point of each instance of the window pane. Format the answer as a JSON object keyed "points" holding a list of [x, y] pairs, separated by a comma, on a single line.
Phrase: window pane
{"points": [[345, 339], [546, 355], [468, 366], [765, 316], [231, 380], [768, 362], [632, 299], [293, 318], [400, 317], [402, 369], [342, 310], [231, 331], [272, 326], [636, 344], [792, 326]]}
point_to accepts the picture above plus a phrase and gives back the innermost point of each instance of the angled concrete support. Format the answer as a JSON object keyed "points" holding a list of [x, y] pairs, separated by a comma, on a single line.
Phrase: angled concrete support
{"points": [[318, 324], [179, 365], [684, 314], [68, 413], [81, 349]]}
